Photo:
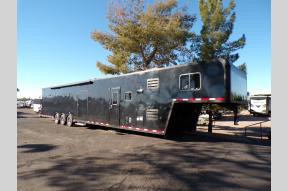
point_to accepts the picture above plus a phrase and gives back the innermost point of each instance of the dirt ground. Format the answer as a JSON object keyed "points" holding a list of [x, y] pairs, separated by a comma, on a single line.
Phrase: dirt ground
{"points": [[55, 157]]}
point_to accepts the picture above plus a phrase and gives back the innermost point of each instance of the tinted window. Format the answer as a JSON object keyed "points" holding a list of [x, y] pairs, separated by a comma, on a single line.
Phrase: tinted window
{"points": [[114, 98], [128, 96], [194, 81], [258, 98], [184, 82], [190, 81]]}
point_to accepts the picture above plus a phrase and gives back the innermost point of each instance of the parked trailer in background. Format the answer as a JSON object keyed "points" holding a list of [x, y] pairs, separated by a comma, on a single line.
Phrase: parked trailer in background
{"points": [[24, 103], [260, 104], [37, 105], [156, 101]]}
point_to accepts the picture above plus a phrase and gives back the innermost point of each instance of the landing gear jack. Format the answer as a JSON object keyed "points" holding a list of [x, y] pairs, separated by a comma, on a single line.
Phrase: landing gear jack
{"points": [[235, 111], [209, 112]]}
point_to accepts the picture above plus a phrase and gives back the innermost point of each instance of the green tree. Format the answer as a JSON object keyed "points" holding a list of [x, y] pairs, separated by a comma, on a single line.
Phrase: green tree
{"points": [[243, 67], [217, 27], [145, 38]]}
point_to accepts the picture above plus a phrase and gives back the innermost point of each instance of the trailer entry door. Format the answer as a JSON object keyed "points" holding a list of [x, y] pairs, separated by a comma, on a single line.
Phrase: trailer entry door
{"points": [[114, 108]]}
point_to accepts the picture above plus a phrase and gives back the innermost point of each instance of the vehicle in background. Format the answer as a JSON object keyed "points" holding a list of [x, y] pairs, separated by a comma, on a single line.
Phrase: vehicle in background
{"points": [[37, 105], [24, 103], [28, 103], [260, 104], [203, 119], [20, 104]]}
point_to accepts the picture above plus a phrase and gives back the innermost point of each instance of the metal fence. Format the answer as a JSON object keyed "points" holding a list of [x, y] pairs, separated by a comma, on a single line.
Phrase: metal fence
{"points": [[258, 129]]}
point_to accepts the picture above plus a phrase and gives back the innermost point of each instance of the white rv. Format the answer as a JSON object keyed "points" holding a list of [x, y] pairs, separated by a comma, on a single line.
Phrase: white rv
{"points": [[260, 104], [37, 105]]}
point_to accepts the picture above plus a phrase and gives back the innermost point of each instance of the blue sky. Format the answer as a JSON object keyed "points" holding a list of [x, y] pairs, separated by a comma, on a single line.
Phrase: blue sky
{"points": [[54, 44]]}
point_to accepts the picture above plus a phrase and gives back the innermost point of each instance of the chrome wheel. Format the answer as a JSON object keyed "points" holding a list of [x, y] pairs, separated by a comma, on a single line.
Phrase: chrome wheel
{"points": [[63, 119], [57, 118], [70, 120]]}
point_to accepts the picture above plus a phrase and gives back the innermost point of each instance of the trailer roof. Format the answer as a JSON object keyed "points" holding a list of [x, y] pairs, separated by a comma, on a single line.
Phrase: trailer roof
{"points": [[91, 81], [72, 84]]}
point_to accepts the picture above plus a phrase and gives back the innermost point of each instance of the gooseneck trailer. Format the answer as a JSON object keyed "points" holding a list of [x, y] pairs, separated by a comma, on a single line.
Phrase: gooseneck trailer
{"points": [[156, 101]]}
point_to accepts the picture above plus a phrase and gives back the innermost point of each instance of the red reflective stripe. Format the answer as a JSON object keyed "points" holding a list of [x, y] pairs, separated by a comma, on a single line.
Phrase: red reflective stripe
{"points": [[199, 99], [191, 99], [154, 131]]}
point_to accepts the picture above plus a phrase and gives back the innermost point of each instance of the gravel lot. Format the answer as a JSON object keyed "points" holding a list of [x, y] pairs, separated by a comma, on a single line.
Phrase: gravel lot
{"points": [[55, 157]]}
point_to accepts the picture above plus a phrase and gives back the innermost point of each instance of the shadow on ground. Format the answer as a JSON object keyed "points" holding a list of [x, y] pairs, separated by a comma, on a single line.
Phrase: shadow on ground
{"points": [[21, 114], [201, 136], [249, 131], [33, 148], [216, 138], [193, 162], [120, 131], [244, 118]]}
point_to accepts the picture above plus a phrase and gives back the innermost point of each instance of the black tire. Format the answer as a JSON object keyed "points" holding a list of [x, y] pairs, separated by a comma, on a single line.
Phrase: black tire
{"points": [[70, 120], [57, 118], [63, 119]]}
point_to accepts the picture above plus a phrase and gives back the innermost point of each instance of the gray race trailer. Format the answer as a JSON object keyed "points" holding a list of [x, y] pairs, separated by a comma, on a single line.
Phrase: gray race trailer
{"points": [[156, 101]]}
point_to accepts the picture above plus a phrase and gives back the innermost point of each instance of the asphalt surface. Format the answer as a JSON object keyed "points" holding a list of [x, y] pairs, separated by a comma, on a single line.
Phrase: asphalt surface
{"points": [[55, 157]]}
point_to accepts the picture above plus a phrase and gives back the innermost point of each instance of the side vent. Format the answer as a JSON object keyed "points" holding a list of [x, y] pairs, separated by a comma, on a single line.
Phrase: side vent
{"points": [[152, 114], [153, 83]]}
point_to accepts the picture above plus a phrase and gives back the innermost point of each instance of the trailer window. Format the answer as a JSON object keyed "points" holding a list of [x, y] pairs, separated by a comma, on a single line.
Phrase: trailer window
{"points": [[258, 98], [190, 81], [195, 81], [128, 96], [114, 98], [184, 82]]}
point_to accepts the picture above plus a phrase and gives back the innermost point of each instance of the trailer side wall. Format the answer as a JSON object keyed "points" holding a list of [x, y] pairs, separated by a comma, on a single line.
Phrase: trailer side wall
{"points": [[238, 80], [147, 107]]}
